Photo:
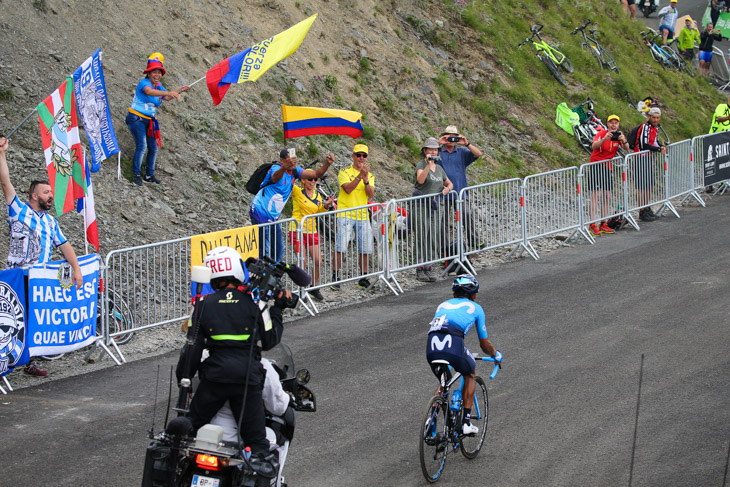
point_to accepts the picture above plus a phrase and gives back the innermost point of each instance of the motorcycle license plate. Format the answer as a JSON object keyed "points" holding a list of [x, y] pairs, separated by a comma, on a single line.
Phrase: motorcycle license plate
{"points": [[200, 481]]}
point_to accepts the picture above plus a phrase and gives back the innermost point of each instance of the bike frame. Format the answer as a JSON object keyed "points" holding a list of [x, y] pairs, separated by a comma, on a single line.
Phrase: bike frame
{"points": [[446, 386], [554, 54]]}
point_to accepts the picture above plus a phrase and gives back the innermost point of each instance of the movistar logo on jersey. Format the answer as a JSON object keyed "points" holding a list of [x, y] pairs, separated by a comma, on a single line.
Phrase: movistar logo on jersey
{"points": [[437, 344], [229, 298], [470, 308]]}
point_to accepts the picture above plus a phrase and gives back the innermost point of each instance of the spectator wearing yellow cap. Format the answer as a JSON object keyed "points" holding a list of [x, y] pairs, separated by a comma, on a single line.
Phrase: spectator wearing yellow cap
{"points": [[599, 178], [357, 186], [142, 121], [687, 38]]}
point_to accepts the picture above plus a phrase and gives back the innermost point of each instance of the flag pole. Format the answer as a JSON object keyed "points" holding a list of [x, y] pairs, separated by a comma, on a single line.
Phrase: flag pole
{"points": [[196, 82], [35, 110], [86, 239]]}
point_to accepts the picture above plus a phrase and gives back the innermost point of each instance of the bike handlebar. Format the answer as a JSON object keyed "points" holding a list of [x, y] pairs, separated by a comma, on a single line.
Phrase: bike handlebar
{"points": [[588, 22], [497, 365]]}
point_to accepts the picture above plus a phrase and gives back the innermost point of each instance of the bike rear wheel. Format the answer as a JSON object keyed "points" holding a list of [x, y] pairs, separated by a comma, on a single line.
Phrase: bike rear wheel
{"points": [[120, 318], [470, 445], [434, 439], [584, 139], [553, 69], [608, 60]]}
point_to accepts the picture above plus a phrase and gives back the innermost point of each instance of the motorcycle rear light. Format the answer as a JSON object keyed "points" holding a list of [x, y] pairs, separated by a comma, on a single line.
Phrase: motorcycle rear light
{"points": [[208, 462]]}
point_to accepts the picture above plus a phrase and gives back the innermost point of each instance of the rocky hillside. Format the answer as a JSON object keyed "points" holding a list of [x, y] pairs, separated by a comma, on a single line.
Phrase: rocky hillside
{"points": [[402, 64]]}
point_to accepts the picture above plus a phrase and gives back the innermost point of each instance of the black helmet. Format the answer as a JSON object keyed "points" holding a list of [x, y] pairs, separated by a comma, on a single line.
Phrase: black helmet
{"points": [[466, 284]]}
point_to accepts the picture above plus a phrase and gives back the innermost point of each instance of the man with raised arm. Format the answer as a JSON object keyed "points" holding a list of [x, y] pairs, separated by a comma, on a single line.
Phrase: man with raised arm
{"points": [[33, 231]]}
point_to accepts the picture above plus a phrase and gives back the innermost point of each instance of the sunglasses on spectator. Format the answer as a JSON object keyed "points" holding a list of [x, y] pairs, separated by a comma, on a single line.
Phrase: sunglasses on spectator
{"points": [[311, 179], [360, 154]]}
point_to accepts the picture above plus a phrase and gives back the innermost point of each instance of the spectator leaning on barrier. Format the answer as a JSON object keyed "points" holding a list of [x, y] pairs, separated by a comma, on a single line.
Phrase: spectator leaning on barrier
{"points": [[33, 231], [605, 145], [707, 38], [357, 186], [687, 38], [643, 168], [308, 201], [428, 215], [141, 120], [669, 20], [457, 154], [275, 190]]}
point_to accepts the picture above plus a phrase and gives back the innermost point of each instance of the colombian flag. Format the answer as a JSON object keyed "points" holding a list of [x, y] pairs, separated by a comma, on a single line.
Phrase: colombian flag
{"points": [[301, 121], [250, 64]]}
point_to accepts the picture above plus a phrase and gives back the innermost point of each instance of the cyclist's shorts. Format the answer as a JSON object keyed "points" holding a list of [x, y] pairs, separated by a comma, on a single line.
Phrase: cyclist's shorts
{"points": [[630, 2], [706, 56], [671, 31], [443, 346]]}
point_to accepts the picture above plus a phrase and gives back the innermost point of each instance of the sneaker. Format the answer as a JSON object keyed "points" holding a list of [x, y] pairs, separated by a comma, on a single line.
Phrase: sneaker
{"points": [[593, 228], [468, 429], [33, 369], [428, 273], [335, 287], [645, 216], [606, 229], [137, 180], [151, 179], [363, 283], [421, 275], [317, 294]]}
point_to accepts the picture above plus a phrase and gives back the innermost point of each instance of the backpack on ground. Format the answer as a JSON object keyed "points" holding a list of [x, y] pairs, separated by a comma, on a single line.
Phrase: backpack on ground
{"points": [[633, 137], [253, 185]]}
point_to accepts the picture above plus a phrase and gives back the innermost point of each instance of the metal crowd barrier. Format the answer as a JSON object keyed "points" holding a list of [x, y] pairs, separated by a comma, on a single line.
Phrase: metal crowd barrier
{"points": [[550, 206], [602, 192], [646, 181], [680, 171], [497, 216]]}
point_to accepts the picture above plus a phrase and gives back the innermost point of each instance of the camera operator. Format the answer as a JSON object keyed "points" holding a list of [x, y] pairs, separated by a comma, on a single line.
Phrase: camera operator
{"points": [[235, 330]]}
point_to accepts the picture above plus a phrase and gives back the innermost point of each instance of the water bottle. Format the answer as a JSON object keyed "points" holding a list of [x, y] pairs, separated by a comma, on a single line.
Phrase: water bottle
{"points": [[247, 453], [456, 401]]}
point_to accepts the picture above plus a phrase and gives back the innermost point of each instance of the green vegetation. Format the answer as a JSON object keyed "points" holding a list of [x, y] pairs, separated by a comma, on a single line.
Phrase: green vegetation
{"points": [[6, 94]]}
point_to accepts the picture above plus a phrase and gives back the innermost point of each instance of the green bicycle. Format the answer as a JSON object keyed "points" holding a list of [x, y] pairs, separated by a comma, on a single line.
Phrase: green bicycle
{"points": [[550, 55]]}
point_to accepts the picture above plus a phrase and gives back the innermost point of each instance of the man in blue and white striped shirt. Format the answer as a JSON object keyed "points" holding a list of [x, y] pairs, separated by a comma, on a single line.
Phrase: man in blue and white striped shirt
{"points": [[32, 229]]}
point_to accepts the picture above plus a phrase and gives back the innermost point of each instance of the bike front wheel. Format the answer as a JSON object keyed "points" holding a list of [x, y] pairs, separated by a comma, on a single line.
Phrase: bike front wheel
{"points": [[593, 50], [584, 139], [565, 63], [553, 69], [434, 439], [470, 445]]}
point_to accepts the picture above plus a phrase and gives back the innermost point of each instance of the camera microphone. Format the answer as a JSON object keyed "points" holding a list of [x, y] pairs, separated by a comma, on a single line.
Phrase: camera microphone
{"points": [[298, 275]]}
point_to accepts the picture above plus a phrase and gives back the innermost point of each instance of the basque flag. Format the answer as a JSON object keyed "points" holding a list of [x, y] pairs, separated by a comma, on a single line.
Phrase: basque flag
{"points": [[302, 121], [250, 64]]}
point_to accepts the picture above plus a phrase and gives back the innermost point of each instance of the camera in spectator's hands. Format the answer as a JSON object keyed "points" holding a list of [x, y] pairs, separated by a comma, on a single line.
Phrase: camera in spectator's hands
{"points": [[434, 158], [452, 138], [615, 135]]}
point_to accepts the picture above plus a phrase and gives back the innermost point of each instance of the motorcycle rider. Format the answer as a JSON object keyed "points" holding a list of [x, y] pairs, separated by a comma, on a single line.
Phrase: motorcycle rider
{"points": [[234, 330]]}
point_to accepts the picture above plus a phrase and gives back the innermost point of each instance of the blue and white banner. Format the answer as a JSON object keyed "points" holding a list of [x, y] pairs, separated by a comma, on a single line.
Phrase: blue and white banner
{"points": [[62, 318], [13, 325], [93, 106]]}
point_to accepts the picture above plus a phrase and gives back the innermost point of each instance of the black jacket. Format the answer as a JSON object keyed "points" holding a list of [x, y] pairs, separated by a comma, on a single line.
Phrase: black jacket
{"points": [[227, 323]]}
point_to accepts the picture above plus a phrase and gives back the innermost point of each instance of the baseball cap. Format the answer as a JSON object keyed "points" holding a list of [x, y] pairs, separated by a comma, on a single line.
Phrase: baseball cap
{"points": [[655, 111], [613, 117], [360, 148]]}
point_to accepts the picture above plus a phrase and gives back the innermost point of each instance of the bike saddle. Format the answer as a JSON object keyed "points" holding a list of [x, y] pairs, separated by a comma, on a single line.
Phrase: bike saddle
{"points": [[534, 29]]}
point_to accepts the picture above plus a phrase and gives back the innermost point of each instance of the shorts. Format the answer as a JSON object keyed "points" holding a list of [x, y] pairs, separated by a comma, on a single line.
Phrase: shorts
{"points": [[599, 177], [688, 54], [706, 56], [671, 31], [630, 2], [361, 228], [309, 238], [643, 173], [444, 346]]}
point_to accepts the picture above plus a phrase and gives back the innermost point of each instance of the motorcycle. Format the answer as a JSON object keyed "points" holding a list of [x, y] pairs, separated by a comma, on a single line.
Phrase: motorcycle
{"points": [[648, 7], [174, 459]]}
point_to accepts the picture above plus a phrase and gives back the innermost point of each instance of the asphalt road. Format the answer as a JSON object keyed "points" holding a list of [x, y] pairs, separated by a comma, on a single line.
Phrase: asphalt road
{"points": [[572, 326]]}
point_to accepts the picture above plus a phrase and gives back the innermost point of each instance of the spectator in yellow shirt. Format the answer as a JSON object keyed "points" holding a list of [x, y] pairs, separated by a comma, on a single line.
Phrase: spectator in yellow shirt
{"points": [[357, 186]]}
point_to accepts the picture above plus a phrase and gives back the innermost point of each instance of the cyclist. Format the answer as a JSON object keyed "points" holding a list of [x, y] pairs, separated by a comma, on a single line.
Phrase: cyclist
{"points": [[452, 321]]}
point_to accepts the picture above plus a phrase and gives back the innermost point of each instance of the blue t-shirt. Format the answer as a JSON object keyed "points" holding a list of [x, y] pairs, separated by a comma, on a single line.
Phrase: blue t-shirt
{"points": [[269, 202], [455, 164], [143, 103], [456, 316]]}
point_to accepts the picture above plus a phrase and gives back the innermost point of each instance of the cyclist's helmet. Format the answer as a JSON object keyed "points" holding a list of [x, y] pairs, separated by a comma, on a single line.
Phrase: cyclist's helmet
{"points": [[465, 284], [225, 262]]}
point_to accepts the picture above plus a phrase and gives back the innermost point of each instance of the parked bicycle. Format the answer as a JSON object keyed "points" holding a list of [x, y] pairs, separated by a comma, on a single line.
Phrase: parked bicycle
{"points": [[550, 55], [440, 429], [589, 125], [665, 55], [591, 45]]}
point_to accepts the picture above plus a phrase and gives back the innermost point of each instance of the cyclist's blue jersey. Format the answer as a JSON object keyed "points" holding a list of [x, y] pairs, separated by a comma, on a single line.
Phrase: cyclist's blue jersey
{"points": [[456, 316]]}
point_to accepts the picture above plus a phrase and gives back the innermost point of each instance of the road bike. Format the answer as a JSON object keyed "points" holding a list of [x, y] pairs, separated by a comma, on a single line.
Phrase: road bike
{"points": [[591, 45], [589, 125], [665, 55], [550, 55], [441, 426], [681, 63]]}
